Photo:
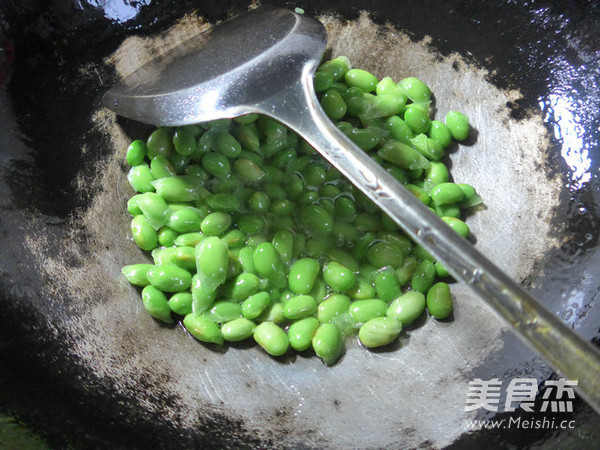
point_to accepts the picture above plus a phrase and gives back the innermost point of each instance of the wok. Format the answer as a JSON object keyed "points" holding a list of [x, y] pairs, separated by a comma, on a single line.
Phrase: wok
{"points": [[85, 367]]}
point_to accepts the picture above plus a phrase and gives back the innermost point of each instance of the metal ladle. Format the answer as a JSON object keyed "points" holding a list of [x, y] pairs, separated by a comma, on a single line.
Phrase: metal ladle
{"points": [[264, 62]]}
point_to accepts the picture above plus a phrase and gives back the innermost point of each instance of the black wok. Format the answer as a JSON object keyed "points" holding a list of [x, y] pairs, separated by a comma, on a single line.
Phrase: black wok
{"points": [[83, 367]]}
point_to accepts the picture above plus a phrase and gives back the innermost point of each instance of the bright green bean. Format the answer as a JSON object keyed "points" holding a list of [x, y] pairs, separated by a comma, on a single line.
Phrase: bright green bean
{"points": [[155, 302], [271, 338]]}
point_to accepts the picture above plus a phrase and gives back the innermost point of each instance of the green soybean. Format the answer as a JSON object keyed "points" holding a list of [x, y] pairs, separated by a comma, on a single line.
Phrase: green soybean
{"points": [[333, 104], [379, 331], [140, 178], [255, 304], [439, 132], [136, 153], [203, 329], [303, 274], [224, 311], [160, 142], [179, 188], [267, 263], [407, 308], [271, 338], [362, 311], [457, 225], [447, 194], [386, 284], [137, 274], [439, 300], [216, 223], [415, 89], [169, 278], [144, 235], [155, 302], [332, 307], [237, 329], [299, 307], [366, 81], [212, 261], [327, 343], [301, 332], [423, 276], [403, 155], [416, 119], [181, 303], [458, 125], [338, 277]]}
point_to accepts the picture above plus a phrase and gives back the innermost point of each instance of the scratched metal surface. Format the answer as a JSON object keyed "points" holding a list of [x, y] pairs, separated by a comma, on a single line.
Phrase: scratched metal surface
{"points": [[149, 383]]}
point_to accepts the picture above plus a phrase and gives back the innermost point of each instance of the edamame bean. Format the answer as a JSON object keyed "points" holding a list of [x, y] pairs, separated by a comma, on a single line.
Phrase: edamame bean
{"points": [[169, 278], [202, 298], [405, 271], [248, 170], [155, 302], [143, 234], [301, 332], [362, 311], [255, 304], [271, 338], [447, 194], [457, 225], [136, 152], [366, 81], [216, 223], [383, 254], [415, 89], [184, 141], [407, 308], [212, 262], [327, 343], [283, 240], [140, 178], [299, 307], [224, 311], [250, 224], [167, 236], [303, 274], [203, 329], [332, 307], [216, 164], [399, 130], [188, 239], [402, 155], [160, 142], [423, 276], [439, 132], [137, 274], [333, 104], [185, 220], [386, 284], [181, 303], [379, 331], [316, 219], [458, 125], [226, 144], [416, 119], [267, 264], [338, 277], [337, 67], [179, 188], [322, 81], [237, 330], [439, 300]]}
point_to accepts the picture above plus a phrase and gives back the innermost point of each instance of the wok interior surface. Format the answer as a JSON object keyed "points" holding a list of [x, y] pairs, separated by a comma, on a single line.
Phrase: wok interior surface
{"points": [[85, 366]]}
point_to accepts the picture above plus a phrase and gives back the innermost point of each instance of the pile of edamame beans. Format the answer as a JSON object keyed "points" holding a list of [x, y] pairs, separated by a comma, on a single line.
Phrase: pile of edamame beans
{"points": [[253, 235]]}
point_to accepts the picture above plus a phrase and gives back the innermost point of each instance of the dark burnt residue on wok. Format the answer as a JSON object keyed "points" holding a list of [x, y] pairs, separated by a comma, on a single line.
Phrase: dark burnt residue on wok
{"points": [[40, 380]]}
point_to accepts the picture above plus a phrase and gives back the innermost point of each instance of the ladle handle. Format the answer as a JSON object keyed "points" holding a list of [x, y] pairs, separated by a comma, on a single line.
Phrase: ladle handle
{"points": [[569, 354]]}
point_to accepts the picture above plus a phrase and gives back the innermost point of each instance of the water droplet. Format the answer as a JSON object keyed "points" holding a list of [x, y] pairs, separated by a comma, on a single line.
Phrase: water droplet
{"points": [[116, 102]]}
